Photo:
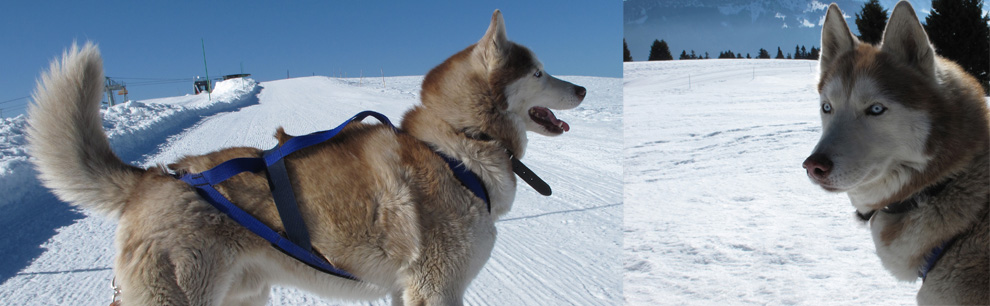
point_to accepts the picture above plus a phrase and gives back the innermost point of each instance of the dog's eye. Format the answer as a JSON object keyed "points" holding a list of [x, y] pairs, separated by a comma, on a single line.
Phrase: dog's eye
{"points": [[876, 109], [827, 108], [538, 73]]}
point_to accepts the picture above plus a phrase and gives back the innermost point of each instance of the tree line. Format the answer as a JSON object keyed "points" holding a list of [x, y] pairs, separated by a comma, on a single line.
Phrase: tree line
{"points": [[660, 51], [958, 30]]}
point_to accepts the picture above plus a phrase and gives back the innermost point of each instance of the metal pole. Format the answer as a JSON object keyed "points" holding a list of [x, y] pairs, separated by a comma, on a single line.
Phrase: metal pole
{"points": [[209, 84], [106, 88]]}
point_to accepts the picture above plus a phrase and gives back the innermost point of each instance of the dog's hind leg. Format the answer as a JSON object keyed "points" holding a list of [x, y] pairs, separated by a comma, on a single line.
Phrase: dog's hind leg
{"points": [[197, 274], [150, 281], [247, 288], [254, 295]]}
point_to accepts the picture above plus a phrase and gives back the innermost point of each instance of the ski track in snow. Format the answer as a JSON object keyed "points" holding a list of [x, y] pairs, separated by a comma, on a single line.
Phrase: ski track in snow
{"points": [[558, 250], [717, 205]]}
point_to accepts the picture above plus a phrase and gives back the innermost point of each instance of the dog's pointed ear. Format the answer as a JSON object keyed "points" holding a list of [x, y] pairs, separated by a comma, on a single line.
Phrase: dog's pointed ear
{"points": [[495, 44], [836, 37], [905, 39]]}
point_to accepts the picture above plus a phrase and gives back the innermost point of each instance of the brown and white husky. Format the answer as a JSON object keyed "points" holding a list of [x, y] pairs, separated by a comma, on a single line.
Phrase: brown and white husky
{"points": [[379, 204], [905, 134]]}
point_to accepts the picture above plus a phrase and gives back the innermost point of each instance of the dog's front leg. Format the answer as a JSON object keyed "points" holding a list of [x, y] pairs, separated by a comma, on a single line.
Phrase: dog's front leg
{"points": [[397, 298], [430, 290], [412, 297]]}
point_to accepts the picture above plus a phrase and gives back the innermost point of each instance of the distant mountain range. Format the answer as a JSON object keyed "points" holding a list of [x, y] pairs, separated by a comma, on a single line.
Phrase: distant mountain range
{"points": [[743, 26]]}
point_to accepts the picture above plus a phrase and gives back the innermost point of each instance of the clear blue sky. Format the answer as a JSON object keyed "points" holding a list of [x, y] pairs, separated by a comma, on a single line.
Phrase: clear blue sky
{"points": [[161, 39]]}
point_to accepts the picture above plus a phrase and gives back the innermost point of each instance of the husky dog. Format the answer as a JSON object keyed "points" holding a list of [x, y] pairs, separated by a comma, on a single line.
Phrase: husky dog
{"points": [[905, 134], [380, 204]]}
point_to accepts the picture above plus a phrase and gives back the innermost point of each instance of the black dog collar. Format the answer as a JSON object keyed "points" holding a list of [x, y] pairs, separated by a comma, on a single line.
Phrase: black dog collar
{"points": [[908, 204]]}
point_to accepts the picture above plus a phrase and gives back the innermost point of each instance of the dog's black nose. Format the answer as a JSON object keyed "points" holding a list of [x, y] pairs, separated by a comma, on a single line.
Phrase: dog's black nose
{"points": [[580, 91]]}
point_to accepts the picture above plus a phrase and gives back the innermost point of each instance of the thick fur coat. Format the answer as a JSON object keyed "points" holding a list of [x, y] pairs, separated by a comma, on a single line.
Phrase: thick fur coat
{"points": [[905, 133], [378, 203]]}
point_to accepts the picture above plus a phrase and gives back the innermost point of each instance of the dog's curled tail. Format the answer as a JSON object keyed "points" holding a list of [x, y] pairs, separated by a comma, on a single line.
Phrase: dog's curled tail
{"points": [[66, 138]]}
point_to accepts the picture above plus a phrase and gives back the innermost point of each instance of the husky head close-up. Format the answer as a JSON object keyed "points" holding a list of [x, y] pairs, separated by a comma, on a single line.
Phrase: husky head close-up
{"points": [[516, 95], [889, 125]]}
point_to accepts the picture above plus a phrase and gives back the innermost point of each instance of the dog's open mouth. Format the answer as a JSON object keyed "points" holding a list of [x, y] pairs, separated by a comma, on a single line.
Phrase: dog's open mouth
{"points": [[544, 117]]}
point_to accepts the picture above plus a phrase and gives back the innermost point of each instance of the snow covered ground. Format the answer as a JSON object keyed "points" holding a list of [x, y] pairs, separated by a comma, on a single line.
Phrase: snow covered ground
{"points": [[558, 250], [717, 206], [133, 127]]}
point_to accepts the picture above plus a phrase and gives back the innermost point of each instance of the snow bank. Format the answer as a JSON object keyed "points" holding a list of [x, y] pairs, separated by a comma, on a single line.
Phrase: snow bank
{"points": [[132, 127], [14, 166]]}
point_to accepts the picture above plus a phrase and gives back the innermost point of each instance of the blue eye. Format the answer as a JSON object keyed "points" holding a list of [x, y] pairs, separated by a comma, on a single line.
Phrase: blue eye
{"points": [[876, 109], [827, 107], [538, 73]]}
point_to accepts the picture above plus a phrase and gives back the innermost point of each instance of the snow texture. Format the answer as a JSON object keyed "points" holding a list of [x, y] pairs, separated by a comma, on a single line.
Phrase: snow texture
{"points": [[717, 206], [132, 127], [558, 250]]}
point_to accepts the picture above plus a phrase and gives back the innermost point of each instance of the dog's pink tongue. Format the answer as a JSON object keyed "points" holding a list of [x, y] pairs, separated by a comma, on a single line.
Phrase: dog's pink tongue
{"points": [[549, 116]]}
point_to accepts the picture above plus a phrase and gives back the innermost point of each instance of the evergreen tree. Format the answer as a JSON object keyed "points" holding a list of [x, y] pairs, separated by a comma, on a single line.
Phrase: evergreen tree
{"points": [[797, 52], [626, 57], [738, 55], [788, 56], [780, 54], [763, 54], [706, 56], [747, 55], [684, 55], [804, 53], [959, 31], [813, 54], [871, 20], [659, 51], [693, 55]]}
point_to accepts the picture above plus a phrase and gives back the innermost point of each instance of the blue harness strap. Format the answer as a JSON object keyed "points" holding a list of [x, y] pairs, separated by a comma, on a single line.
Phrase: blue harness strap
{"points": [[467, 178], [285, 203], [933, 257], [207, 191], [297, 243]]}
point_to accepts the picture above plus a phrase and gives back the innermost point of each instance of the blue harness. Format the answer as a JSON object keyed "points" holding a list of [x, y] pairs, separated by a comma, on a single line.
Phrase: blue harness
{"points": [[298, 244], [933, 257], [908, 205]]}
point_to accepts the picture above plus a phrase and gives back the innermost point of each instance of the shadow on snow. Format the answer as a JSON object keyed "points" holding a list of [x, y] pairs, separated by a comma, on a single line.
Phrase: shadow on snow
{"points": [[28, 223]]}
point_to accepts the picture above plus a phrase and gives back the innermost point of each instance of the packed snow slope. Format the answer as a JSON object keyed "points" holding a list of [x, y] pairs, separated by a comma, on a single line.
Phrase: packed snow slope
{"points": [[129, 126], [717, 206], [557, 250]]}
